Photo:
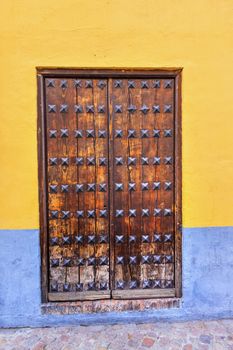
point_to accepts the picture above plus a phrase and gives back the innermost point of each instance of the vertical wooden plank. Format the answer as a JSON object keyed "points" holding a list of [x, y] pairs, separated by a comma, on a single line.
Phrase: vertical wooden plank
{"points": [[135, 177], [69, 144], [120, 181], [87, 149], [158, 237], [150, 270], [81, 178], [166, 122], [78, 195], [155, 90], [101, 178]]}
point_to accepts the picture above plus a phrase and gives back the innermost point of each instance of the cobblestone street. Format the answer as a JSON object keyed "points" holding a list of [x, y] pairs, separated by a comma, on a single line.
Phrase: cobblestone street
{"points": [[198, 335]]}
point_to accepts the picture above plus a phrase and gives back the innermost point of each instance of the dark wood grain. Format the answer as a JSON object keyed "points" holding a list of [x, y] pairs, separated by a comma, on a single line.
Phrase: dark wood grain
{"points": [[101, 177], [81, 179], [120, 176]]}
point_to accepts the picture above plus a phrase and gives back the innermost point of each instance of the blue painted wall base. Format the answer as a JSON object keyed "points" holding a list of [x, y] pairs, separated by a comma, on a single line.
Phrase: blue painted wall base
{"points": [[207, 282]]}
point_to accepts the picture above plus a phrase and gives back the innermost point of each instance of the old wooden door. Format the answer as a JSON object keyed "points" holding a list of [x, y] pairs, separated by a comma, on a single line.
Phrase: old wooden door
{"points": [[110, 178]]}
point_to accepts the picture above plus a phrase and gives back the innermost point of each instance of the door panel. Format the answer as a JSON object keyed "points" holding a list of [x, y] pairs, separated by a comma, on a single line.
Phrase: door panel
{"points": [[143, 180], [77, 174], [110, 154]]}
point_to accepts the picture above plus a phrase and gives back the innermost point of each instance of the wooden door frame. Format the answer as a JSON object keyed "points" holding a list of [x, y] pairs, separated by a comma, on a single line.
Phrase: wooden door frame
{"points": [[45, 72]]}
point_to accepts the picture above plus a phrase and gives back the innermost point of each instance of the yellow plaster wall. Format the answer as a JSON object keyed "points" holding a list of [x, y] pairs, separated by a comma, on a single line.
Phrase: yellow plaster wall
{"points": [[196, 35]]}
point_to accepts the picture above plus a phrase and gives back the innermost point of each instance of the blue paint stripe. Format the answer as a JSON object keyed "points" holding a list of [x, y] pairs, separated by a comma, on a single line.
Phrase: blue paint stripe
{"points": [[207, 281]]}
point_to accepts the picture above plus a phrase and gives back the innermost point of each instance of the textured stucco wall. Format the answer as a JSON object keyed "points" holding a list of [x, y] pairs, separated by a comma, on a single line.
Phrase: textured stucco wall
{"points": [[195, 35], [207, 281]]}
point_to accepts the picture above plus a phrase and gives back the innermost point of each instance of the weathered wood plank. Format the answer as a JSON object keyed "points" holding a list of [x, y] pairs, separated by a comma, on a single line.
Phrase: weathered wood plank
{"points": [[149, 271], [89, 272], [101, 177], [120, 180], [72, 296], [143, 294]]}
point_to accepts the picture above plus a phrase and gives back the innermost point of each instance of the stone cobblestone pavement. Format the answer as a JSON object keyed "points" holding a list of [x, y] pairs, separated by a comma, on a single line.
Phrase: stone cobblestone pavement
{"points": [[198, 335]]}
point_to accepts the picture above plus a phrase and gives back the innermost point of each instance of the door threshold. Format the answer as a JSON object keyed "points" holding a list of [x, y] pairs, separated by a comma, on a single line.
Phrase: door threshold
{"points": [[108, 305]]}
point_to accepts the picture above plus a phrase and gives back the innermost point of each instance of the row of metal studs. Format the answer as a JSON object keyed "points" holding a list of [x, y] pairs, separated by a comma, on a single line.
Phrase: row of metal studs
{"points": [[63, 108], [95, 286], [92, 239], [65, 161], [92, 187], [90, 133], [120, 260], [66, 214], [102, 83]]}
